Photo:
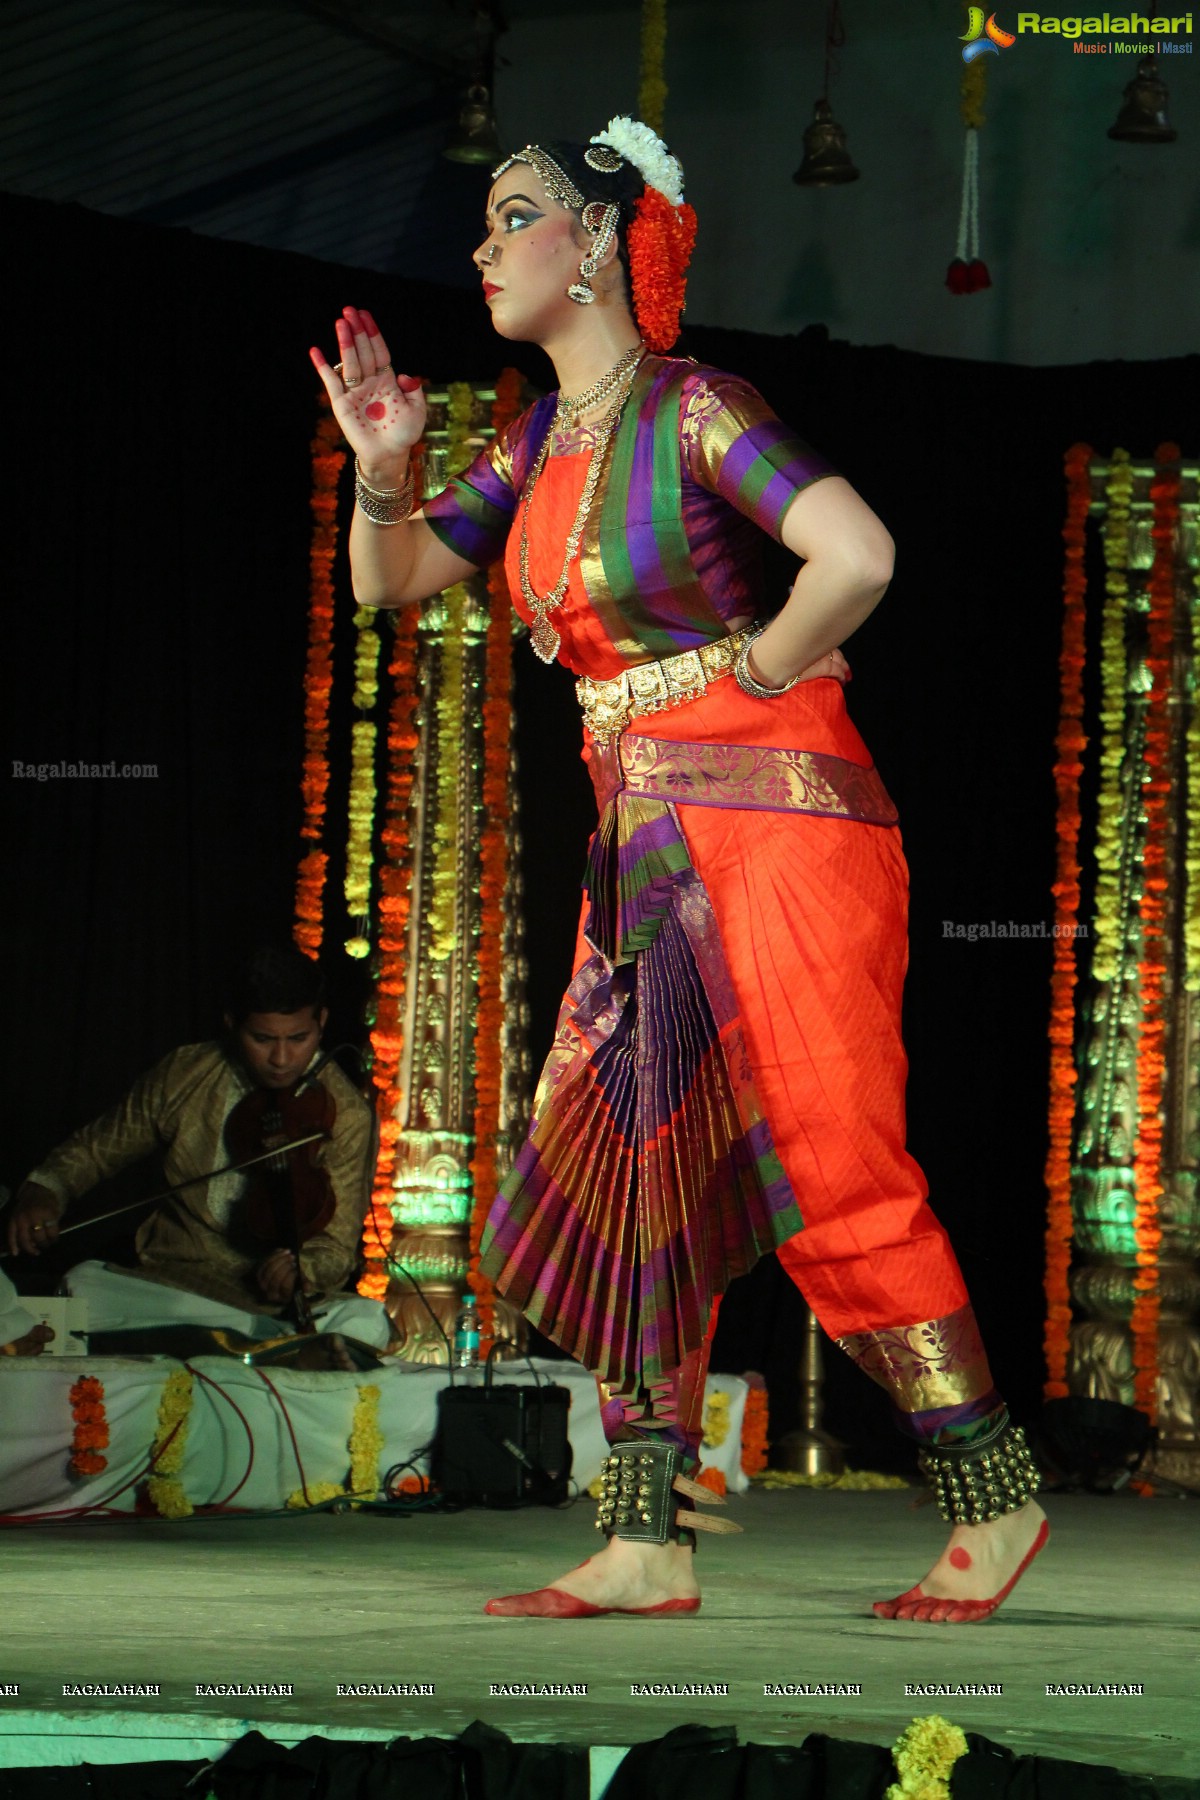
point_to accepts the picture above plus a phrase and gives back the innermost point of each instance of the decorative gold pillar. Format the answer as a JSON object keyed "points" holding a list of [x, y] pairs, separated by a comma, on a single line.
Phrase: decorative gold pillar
{"points": [[432, 1187], [1103, 1181]]}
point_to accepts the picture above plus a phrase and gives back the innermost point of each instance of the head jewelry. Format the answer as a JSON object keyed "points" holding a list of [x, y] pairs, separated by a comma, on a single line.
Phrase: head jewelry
{"points": [[660, 236]]}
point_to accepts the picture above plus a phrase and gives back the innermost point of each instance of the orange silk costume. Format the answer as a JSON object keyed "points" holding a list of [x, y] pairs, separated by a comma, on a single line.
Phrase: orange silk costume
{"points": [[811, 916]]}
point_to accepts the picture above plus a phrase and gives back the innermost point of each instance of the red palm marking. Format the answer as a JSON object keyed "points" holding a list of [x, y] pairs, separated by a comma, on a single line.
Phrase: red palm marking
{"points": [[377, 410]]}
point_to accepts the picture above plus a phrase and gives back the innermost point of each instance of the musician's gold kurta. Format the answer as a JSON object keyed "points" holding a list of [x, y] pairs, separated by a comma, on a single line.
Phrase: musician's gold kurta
{"points": [[179, 1108]]}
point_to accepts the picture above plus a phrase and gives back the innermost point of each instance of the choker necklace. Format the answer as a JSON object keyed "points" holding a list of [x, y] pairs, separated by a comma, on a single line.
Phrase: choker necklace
{"points": [[571, 406], [542, 635]]}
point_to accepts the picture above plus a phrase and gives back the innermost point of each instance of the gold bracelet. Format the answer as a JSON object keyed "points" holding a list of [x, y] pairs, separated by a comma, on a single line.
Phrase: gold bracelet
{"points": [[747, 683], [383, 506]]}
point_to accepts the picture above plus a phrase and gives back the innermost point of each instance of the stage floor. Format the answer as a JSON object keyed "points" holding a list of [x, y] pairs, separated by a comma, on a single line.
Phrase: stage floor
{"points": [[320, 1600]]}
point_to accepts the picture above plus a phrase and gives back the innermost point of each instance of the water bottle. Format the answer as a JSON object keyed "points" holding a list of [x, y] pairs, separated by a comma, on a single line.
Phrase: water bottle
{"points": [[466, 1334]]}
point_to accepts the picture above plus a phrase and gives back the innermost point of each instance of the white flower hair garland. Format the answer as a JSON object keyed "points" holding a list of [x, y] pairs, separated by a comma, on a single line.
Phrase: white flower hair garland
{"points": [[641, 146]]}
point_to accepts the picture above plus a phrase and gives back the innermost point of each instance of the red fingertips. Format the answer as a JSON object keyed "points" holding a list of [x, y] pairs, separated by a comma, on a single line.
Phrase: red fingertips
{"points": [[408, 382]]}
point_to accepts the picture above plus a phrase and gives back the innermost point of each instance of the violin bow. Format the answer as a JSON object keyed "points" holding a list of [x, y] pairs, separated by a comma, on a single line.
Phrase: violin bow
{"points": [[232, 1168]]}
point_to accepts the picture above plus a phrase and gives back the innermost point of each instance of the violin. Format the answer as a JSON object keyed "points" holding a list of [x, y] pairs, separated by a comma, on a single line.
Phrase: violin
{"points": [[289, 1197]]}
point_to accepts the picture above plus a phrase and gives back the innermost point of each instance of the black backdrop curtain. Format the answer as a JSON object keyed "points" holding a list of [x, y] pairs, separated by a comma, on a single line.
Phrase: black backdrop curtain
{"points": [[160, 407]]}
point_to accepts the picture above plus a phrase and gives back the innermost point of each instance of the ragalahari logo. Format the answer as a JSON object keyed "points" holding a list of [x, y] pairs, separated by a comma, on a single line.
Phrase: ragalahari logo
{"points": [[983, 36]]}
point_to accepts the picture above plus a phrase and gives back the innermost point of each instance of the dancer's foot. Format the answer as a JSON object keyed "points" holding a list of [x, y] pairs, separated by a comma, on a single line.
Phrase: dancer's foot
{"points": [[978, 1568], [623, 1577]]}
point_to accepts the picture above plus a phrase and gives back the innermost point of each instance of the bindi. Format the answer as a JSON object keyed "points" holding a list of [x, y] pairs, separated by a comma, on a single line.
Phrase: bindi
{"points": [[960, 1558]]}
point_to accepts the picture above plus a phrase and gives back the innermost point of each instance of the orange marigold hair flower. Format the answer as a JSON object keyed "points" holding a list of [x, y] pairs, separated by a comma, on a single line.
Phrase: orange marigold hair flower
{"points": [[661, 239]]}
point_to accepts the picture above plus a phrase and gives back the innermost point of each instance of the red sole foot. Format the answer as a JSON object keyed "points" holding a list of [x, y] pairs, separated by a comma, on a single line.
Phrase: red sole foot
{"points": [[920, 1608], [553, 1603]]}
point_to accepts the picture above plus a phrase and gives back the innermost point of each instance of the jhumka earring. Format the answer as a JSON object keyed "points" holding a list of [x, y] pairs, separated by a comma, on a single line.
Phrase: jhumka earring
{"points": [[600, 218]]}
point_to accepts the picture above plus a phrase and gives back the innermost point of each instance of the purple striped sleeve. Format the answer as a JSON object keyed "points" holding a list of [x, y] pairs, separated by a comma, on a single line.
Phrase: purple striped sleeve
{"points": [[736, 447]]}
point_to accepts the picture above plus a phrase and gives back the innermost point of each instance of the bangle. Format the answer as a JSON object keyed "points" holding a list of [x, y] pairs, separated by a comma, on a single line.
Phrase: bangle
{"points": [[746, 681], [383, 506]]}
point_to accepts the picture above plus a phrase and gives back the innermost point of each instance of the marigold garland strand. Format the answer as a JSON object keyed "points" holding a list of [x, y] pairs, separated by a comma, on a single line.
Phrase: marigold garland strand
{"points": [[90, 1427], [495, 812], [164, 1489], [328, 458], [1152, 968], [659, 243], [1110, 804], [925, 1754], [449, 707], [652, 84], [755, 1424], [972, 93], [366, 1444], [361, 807], [450, 712], [395, 896], [1191, 861], [1070, 745]]}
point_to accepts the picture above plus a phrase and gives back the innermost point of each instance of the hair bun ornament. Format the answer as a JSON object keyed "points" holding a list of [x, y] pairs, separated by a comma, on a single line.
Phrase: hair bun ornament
{"points": [[602, 159]]}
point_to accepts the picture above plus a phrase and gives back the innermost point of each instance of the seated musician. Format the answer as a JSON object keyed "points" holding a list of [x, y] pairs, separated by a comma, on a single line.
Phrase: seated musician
{"points": [[203, 1255]]}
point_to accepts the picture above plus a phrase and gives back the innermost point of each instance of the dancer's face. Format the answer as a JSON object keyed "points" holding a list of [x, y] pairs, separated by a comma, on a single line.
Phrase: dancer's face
{"points": [[529, 257]]}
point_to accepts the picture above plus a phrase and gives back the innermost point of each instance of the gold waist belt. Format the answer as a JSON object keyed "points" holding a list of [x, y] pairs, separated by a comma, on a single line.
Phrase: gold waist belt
{"points": [[652, 687]]}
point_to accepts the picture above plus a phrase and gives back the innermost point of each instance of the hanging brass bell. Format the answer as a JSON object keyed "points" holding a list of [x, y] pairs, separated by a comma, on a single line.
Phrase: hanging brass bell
{"points": [[826, 159], [475, 138], [1143, 115]]}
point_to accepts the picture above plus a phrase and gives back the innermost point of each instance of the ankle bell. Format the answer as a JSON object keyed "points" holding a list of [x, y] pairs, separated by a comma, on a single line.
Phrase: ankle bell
{"points": [[636, 1499], [973, 1483]]}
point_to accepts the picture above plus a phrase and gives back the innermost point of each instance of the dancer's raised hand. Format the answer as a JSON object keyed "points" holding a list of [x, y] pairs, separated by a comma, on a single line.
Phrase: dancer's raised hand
{"points": [[381, 413]]}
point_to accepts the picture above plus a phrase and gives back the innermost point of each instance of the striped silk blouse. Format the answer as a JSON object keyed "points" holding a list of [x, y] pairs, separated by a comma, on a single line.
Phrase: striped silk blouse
{"points": [[671, 552]]}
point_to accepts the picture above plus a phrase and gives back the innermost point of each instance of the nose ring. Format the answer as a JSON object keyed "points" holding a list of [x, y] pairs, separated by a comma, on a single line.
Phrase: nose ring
{"points": [[490, 255]]}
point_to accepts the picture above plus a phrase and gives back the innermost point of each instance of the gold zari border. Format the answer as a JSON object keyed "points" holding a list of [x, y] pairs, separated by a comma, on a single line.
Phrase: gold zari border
{"points": [[754, 777], [927, 1366]]}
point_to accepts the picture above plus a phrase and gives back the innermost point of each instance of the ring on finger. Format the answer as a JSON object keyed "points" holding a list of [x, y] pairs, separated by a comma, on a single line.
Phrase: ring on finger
{"points": [[350, 381]]}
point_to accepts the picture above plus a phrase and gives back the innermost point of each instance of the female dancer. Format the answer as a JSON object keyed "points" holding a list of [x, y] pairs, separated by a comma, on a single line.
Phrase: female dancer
{"points": [[727, 1075]]}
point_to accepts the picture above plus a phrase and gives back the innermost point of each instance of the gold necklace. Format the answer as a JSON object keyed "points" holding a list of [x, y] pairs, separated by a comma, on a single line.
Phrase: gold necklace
{"points": [[572, 406], [542, 635]]}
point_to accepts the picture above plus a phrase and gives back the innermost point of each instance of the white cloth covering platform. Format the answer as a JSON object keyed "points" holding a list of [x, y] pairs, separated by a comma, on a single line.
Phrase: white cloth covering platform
{"points": [[120, 1302], [254, 1437]]}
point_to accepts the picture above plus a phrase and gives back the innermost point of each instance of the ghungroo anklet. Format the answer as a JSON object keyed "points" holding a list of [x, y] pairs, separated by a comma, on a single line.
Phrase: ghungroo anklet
{"points": [[639, 1485], [975, 1482]]}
